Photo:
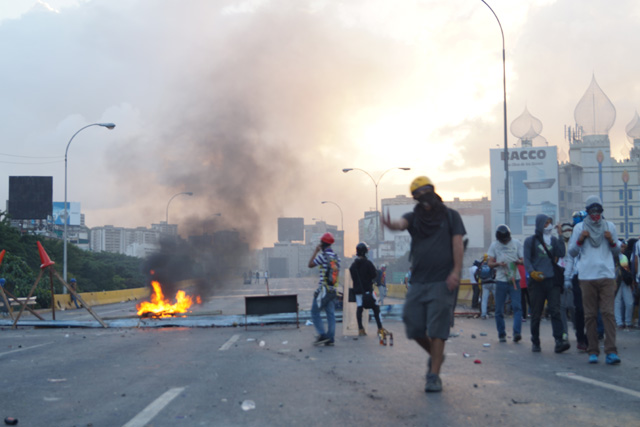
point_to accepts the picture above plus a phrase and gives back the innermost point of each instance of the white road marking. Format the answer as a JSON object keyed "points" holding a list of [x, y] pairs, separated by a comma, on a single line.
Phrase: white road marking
{"points": [[24, 348], [154, 408], [573, 376], [229, 343], [113, 311]]}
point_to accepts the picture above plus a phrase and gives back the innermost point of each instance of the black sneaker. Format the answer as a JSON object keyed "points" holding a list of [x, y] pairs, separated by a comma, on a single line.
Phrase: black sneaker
{"points": [[562, 346], [322, 340], [517, 337], [535, 347], [503, 338], [330, 343], [434, 384]]}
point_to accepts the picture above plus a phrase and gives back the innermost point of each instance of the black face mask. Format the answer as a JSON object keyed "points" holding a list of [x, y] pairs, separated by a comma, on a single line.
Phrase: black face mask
{"points": [[428, 199]]}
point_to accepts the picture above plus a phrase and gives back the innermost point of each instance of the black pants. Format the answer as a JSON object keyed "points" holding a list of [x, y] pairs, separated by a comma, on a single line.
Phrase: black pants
{"points": [[541, 292], [524, 300], [578, 322], [475, 299], [376, 314]]}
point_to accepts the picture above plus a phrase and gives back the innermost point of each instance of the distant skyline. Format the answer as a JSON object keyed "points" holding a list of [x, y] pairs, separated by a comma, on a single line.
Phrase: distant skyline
{"points": [[257, 105]]}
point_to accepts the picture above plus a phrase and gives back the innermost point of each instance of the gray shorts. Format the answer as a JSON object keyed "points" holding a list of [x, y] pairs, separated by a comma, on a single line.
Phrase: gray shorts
{"points": [[427, 310]]}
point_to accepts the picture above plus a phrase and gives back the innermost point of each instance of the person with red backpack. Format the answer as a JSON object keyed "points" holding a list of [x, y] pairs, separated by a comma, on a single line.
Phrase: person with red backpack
{"points": [[324, 298]]}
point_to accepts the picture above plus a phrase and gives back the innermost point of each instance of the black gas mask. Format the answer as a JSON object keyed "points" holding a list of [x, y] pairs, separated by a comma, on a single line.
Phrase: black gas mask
{"points": [[428, 199]]}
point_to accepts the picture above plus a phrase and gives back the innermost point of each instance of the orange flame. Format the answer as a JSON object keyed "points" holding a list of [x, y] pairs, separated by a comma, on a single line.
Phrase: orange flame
{"points": [[161, 307]]}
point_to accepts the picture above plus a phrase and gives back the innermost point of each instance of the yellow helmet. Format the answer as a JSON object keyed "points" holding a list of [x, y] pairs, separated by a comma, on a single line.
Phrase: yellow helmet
{"points": [[420, 182]]}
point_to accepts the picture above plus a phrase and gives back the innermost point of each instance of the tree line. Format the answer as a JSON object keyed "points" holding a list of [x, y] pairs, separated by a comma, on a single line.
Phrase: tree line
{"points": [[93, 271]]}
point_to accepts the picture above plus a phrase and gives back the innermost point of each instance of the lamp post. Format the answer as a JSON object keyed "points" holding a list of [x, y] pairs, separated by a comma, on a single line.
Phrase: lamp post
{"points": [[188, 193], [66, 209], [341, 217], [506, 152], [375, 183], [205, 223]]}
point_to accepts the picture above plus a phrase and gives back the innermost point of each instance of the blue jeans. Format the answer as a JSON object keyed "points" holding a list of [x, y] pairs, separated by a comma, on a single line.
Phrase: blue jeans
{"points": [[502, 289], [330, 310]]}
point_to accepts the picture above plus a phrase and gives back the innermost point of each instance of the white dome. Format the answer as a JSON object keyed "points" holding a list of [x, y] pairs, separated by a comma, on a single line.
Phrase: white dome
{"points": [[595, 113], [526, 126], [633, 128]]}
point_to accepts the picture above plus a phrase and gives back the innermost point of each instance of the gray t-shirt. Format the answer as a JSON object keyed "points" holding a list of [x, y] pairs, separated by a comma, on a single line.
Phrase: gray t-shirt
{"points": [[432, 255], [508, 253]]}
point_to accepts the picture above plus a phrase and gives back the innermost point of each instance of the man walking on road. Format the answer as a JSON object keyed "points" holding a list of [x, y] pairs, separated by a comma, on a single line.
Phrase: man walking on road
{"points": [[596, 241], [541, 251], [504, 255], [324, 298], [436, 262]]}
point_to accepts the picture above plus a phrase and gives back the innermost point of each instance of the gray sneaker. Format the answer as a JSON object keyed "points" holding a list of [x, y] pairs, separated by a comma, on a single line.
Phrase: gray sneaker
{"points": [[433, 383]]}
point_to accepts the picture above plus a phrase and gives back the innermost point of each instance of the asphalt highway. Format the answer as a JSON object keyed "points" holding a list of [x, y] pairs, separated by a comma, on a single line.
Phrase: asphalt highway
{"points": [[272, 375]]}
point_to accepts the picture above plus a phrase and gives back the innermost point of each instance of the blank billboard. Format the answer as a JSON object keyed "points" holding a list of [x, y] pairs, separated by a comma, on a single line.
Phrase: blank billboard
{"points": [[290, 229], [30, 197]]}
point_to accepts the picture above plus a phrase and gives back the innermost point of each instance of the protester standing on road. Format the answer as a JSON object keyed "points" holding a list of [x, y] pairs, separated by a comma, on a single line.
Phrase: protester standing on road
{"points": [[567, 305], [571, 275], [74, 285], [488, 287], [381, 281], [541, 251], [595, 240], [504, 255], [623, 306], [475, 300], [363, 274], [436, 262], [324, 257]]}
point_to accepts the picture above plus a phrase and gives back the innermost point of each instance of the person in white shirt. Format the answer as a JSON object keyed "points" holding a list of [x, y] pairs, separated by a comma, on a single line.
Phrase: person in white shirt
{"points": [[595, 241]]}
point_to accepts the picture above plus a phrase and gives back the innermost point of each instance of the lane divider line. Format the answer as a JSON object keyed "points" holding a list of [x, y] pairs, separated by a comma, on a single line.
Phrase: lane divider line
{"points": [[24, 348], [586, 380], [229, 343], [154, 408]]}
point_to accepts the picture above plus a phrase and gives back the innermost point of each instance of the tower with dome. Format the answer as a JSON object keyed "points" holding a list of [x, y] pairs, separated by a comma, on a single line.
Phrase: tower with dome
{"points": [[590, 168]]}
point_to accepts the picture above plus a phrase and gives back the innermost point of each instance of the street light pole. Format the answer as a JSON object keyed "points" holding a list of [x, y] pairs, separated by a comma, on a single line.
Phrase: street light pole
{"points": [[506, 152], [188, 193], [66, 208], [204, 223], [375, 183], [341, 217]]}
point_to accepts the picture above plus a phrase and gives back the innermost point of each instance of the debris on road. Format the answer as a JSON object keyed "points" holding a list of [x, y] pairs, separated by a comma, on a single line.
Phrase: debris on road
{"points": [[248, 405]]}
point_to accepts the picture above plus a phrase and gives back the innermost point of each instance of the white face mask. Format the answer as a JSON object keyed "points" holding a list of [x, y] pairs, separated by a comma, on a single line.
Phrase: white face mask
{"points": [[548, 229]]}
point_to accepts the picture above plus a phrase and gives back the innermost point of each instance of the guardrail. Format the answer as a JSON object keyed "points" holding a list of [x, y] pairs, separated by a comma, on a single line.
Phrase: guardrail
{"points": [[21, 300]]}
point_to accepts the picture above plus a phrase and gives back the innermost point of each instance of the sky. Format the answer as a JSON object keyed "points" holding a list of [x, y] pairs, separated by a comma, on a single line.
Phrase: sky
{"points": [[256, 106]]}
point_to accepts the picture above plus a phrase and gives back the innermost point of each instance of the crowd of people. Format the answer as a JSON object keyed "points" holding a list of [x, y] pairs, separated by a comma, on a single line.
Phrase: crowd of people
{"points": [[584, 275], [579, 272]]}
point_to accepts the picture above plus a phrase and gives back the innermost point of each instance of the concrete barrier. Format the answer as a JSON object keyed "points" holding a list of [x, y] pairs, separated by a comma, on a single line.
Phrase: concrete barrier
{"points": [[63, 301], [399, 291]]}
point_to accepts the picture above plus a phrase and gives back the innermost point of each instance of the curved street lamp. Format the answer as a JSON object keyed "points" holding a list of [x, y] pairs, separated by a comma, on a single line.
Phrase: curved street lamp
{"points": [[506, 152], [375, 183], [66, 209], [341, 217], [188, 193]]}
